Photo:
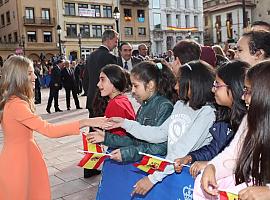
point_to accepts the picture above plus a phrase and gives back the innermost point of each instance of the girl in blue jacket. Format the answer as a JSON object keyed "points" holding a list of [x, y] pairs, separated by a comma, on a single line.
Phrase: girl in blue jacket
{"points": [[228, 88]]}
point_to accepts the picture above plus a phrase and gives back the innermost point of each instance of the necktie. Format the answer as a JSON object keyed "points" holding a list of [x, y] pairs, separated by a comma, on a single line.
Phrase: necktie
{"points": [[126, 65]]}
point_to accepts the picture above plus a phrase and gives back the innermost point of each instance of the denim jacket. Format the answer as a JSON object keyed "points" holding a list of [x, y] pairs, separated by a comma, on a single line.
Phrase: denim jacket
{"points": [[152, 112]]}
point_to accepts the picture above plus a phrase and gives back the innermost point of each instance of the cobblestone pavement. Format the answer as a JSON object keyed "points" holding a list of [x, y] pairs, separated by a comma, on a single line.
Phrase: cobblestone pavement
{"points": [[67, 182]]}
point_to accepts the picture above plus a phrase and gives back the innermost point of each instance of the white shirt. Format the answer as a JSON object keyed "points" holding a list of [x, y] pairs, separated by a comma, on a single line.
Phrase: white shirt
{"points": [[129, 63]]}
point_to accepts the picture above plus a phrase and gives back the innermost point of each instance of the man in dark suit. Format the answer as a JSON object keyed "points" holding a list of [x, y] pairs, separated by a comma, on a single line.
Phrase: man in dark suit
{"points": [[55, 86], [95, 61], [125, 59], [69, 84], [143, 50]]}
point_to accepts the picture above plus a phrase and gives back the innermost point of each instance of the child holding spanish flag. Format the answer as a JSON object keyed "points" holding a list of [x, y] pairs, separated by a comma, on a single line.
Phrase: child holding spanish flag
{"points": [[152, 86], [187, 127], [245, 162]]}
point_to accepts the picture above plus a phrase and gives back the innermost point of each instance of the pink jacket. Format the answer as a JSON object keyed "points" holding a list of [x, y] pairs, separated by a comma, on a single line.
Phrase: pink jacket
{"points": [[225, 164]]}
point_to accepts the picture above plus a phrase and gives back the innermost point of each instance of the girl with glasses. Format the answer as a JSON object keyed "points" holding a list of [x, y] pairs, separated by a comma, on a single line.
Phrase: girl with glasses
{"points": [[228, 89], [245, 162]]}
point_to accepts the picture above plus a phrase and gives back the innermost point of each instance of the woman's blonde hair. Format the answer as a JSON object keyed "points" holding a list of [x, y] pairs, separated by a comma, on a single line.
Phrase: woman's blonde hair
{"points": [[15, 82]]}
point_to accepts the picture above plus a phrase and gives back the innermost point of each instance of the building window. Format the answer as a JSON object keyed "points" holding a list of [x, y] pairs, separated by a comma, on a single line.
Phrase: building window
{"points": [[108, 27], [196, 21], [5, 38], [47, 36], [29, 14], [107, 11], [127, 14], [85, 31], [187, 21], [82, 6], [140, 15], [187, 3], [205, 21], [218, 28], [195, 4], [97, 31], [169, 19], [229, 23], [8, 17], [157, 20], [2, 20], [142, 31], [178, 20], [156, 4], [15, 37], [45, 15], [97, 10], [128, 31], [9, 38], [31, 36], [70, 9], [268, 12], [71, 30]]}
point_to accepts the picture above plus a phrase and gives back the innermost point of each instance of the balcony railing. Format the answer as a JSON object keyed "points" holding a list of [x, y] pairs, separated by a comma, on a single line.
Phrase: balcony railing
{"points": [[135, 2], [38, 21]]}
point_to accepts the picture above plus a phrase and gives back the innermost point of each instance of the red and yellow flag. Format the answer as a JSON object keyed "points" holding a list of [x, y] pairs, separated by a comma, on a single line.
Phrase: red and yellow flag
{"points": [[151, 164], [91, 160], [227, 196]]}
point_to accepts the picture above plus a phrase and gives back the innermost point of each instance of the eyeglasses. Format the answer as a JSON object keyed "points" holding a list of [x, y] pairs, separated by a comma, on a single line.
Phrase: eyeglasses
{"points": [[216, 85], [246, 91]]}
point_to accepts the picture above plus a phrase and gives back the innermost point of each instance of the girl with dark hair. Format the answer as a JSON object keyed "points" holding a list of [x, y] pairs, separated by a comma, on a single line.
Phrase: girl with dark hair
{"points": [[186, 129], [147, 80], [228, 89], [247, 157]]}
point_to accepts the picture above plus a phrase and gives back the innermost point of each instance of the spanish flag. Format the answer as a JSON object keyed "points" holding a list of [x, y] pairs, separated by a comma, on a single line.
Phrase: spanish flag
{"points": [[223, 195], [150, 163], [91, 160]]}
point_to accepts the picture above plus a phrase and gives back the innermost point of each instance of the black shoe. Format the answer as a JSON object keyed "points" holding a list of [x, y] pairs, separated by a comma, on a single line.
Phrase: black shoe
{"points": [[58, 110], [37, 102], [78, 108], [90, 172], [48, 110], [68, 108], [84, 94]]}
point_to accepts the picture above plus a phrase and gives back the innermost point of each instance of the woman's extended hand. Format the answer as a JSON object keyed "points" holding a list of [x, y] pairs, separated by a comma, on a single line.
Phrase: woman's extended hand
{"points": [[113, 122]]}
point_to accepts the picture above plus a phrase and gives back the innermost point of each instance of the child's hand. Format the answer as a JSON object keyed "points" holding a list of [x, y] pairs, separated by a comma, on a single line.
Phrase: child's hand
{"points": [[142, 186], [208, 181], [255, 193], [114, 122], [116, 155], [96, 136], [179, 162], [196, 167]]}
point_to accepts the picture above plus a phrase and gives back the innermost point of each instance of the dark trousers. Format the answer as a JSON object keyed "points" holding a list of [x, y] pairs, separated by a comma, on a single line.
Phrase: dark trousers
{"points": [[54, 93], [75, 97], [37, 95]]}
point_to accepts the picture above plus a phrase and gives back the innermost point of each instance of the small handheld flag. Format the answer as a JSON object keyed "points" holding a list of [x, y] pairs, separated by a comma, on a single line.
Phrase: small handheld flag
{"points": [[150, 163], [223, 195]]}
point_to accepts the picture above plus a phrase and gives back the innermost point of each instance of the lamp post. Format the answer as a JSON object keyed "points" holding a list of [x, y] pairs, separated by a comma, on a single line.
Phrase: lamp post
{"points": [[116, 16], [59, 38], [23, 44], [80, 44]]}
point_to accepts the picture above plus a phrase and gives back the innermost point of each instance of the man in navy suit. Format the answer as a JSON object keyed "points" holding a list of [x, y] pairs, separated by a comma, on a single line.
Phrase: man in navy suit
{"points": [[55, 86], [69, 83], [126, 60]]}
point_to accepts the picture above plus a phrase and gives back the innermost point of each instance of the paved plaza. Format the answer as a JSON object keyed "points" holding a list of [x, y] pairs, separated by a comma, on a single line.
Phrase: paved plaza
{"points": [[67, 182]]}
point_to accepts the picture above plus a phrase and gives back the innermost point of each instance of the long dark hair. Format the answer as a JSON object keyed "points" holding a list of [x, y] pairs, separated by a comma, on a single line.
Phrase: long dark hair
{"points": [[233, 75], [198, 77], [254, 160], [163, 77], [116, 75]]}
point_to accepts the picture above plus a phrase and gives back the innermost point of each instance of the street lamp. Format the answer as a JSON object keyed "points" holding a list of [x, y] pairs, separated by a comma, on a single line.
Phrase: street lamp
{"points": [[23, 44], [80, 43], [116, 16], [58, 28]]}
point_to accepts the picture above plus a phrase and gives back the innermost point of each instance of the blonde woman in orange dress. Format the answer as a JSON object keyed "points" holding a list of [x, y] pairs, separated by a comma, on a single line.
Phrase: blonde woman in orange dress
{"points": [[23, 172]]}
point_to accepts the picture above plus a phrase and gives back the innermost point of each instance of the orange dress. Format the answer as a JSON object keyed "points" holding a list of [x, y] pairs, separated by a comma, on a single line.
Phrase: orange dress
{"points": [[23, 172]]}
